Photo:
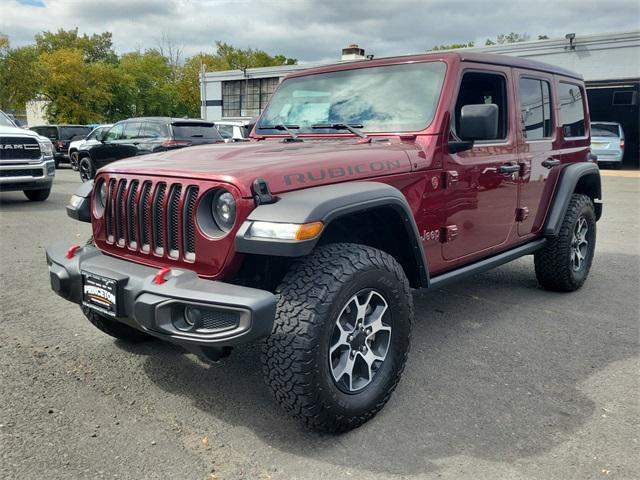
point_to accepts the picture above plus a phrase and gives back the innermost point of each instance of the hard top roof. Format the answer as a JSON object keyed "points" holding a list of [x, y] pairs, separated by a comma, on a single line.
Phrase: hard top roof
{"points": [[461, 56]]}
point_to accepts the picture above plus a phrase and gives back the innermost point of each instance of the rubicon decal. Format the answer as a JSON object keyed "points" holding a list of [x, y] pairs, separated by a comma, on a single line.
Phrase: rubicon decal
{"points": [[319, 174]]}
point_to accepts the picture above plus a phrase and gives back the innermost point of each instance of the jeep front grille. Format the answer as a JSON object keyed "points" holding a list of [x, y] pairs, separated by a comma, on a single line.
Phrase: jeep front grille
{"points": [[152, 216]]}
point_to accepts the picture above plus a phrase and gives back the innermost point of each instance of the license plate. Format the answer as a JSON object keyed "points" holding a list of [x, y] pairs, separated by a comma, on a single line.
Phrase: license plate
{"points": [[100, 293]]}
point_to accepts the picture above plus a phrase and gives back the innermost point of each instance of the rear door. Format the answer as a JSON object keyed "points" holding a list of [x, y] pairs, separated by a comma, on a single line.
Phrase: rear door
{"points": [[152, 136], [539, 149], [482, 198]]}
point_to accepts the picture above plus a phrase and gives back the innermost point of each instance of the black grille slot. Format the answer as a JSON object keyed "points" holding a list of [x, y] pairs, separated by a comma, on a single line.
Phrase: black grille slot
{"points": [[218, 319], [27, 172], [108, 211], [173, 226], [131, 214], [144, 216], [120, 211], [188, 221], [157, 211], [19, 148]]}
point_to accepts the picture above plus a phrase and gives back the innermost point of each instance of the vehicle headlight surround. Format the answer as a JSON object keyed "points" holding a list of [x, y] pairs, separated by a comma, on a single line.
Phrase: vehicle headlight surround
{"points": [[46, 148], [216, 212], [100, 194]]}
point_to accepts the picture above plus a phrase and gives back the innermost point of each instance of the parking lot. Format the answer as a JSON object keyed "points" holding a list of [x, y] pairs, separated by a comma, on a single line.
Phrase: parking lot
{"points": [[504, 380]]}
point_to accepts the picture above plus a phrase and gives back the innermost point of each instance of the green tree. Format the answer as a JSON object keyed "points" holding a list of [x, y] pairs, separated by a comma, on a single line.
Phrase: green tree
{"points": [[453, 46], [95, 48], [20, 76], [511, 37]]}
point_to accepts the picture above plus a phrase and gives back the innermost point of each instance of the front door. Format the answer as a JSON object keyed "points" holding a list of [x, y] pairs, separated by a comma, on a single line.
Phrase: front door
{"points": [[539, 152], [482, 182]]}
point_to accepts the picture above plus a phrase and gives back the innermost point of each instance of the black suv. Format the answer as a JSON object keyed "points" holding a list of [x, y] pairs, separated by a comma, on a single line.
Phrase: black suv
{"points": [[61, 136], [139, 136]]}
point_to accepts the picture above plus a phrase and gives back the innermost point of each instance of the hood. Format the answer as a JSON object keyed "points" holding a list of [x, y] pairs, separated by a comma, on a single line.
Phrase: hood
{"points": [[285, 166], [10, 131]]}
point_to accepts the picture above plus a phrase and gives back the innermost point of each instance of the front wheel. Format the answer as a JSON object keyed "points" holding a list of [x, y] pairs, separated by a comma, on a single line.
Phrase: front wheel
{"points": [[74, 160], [39, 195], [341, 336], [87, 169], [564, 263]]}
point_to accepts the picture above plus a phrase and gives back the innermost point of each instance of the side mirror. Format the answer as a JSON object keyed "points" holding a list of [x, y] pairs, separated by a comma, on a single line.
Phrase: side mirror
{"points": [[249, 126], [479, 122]]}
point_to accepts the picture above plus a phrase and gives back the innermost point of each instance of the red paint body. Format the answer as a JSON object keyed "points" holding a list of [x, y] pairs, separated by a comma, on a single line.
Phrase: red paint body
{"points": [[443, 189]]}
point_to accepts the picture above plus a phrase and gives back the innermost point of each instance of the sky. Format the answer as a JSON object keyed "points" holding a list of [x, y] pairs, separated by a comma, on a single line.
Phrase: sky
{"points": [[314, 30]]}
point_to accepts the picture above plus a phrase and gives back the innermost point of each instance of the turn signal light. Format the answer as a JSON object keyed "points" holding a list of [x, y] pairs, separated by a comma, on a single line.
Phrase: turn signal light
{"points": [[307, 231]]}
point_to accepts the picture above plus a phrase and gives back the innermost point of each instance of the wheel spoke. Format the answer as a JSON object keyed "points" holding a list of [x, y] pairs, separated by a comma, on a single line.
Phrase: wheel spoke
{"points": [[344, 367]]}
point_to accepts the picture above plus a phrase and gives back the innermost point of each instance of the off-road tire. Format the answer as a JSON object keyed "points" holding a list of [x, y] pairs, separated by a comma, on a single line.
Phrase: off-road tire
{"points": [[295, 356], [87, 169], [553, 264], [39, 195], [114, 328]]}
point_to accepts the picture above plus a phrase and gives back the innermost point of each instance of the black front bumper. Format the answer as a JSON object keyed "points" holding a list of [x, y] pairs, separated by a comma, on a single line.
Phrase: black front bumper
{"points": [[236, 314]]}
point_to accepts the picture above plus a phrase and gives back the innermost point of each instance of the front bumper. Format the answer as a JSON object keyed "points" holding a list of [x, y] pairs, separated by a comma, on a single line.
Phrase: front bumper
{"points": [[241, 314], [27, 176]]}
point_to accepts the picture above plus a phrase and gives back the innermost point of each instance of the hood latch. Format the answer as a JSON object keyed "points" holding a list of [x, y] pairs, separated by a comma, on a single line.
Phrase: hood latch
{"points": [[261, 193]]}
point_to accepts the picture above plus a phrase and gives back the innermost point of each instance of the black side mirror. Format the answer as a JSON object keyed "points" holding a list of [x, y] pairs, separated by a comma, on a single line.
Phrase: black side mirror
{"points": [[479, 122], [248, 128]]}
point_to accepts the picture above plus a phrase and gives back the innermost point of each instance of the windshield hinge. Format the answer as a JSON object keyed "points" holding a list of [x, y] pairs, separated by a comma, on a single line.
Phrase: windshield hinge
{"points": [[261, 193]]}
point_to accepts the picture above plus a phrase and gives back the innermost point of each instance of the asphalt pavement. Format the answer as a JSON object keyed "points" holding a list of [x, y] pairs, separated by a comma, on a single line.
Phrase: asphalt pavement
{"points": [[504, 380]]}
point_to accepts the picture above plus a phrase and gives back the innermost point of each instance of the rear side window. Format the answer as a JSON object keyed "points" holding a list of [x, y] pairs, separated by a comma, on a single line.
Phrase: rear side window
{"points": [[73, 133], [535, 108], [478, 88], [571, 110], [186, 131], [131, 130], [154, 130], [49, 132]]}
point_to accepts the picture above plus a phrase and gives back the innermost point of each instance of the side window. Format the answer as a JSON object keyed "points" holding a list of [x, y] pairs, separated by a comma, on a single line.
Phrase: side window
{"points": [[115, 133], [535, 108], [571, 110], [226, 131], [131, 130], [480, 87], [153, 130]]}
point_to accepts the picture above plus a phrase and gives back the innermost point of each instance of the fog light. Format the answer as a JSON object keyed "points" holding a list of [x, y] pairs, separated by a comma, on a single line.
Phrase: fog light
{"points": [[192, 316]]}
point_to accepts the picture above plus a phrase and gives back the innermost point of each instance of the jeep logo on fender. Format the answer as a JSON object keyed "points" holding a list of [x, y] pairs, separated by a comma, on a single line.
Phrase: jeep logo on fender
{"points": [[339, 172]]}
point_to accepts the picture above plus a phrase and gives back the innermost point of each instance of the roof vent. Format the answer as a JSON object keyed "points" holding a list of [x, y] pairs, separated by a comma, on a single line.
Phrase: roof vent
{"points": [[352, 52]]}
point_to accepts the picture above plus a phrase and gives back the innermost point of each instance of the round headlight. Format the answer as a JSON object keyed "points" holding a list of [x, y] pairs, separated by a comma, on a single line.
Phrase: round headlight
{"points": [[224, 210], [102, 194]]}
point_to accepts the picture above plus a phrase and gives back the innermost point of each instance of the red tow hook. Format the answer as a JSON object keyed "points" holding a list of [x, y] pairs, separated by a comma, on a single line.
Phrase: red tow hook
{"points": [[159, 277], [72, 251]]}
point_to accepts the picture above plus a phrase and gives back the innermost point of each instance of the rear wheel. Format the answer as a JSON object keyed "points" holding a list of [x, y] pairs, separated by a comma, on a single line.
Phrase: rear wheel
{"points": [[564, 263], [341, 336], [39, 195], [87, 169], [114, 328]]}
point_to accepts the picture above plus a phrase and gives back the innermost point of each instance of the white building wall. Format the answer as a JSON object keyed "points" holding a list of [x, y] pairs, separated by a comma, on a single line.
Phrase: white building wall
{"points": [[36, 112]]}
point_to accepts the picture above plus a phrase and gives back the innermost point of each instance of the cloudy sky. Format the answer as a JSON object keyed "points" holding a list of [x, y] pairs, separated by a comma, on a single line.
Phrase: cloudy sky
{"points": [[314, 30]]}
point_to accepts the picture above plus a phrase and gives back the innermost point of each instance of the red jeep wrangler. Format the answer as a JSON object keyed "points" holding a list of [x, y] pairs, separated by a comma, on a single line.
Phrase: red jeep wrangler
{"points": [[362, 181]]}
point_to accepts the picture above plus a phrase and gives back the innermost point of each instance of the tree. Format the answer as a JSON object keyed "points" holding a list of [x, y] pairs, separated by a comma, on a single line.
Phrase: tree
{"points": [[96, 48], [20, 76], [453, 46]]}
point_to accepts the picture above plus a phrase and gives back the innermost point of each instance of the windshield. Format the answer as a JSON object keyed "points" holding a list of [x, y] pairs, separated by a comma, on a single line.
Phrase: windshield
{"points": [[392, 98], [5, 121], [73, 133], [604, 130], [185, 131]]}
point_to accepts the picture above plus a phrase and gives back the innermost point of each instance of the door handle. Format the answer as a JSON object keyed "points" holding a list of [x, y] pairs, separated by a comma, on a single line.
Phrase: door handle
{"points": [[509, 168], [136, 143], [550, 163]]}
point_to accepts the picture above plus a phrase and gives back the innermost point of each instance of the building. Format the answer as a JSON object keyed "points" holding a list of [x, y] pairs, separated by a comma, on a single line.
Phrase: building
{"points": [[609, 63]]}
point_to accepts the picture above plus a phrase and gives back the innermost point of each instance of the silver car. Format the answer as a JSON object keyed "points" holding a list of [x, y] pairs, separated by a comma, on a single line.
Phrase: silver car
{"points": [[607, 142]]}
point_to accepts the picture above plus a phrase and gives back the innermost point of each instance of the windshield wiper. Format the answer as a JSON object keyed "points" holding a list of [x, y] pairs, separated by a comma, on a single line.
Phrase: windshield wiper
{"points": [[285, 128], [352, 127]]}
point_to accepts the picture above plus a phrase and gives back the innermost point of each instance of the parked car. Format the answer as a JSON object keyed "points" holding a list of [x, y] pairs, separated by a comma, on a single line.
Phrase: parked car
{"points": [[61, 136], [364, 180], [93, 136], [607, 143], [26, 161], [140, 136], [233, 131]]}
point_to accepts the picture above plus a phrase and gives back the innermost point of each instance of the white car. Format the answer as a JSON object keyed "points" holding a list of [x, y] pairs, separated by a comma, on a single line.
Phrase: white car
{"points": [[607, 143], [74, 146], [233, 131]]}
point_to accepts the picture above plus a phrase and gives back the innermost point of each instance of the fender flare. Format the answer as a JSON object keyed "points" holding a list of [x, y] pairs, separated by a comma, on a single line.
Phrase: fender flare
{"points": [[583, 173], [326, 204]]}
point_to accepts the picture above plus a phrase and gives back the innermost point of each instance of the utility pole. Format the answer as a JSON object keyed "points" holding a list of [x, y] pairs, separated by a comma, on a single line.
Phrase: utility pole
{"points": [[203, 92]]}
